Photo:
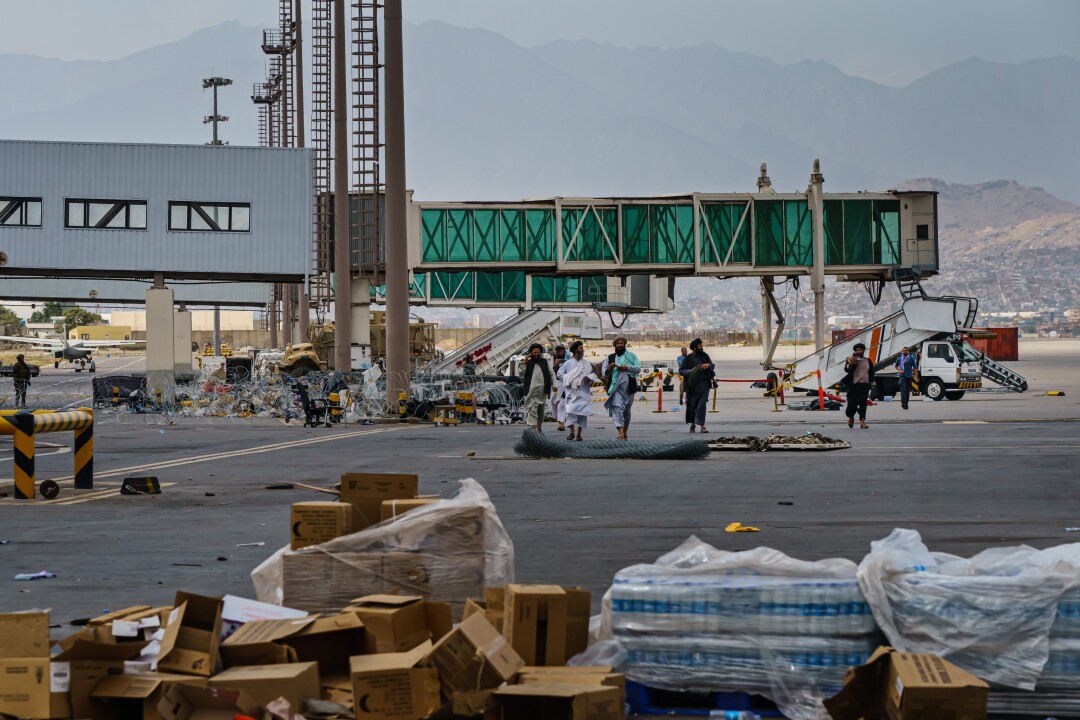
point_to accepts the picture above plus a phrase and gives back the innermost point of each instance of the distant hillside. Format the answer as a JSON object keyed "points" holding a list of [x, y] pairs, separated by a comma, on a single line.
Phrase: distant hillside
{"points": [[489, 119]]}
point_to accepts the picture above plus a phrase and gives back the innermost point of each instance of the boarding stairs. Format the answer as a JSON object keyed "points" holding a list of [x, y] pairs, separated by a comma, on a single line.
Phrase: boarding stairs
{"points": [[921, 319], [998, 373], [492, 350]]}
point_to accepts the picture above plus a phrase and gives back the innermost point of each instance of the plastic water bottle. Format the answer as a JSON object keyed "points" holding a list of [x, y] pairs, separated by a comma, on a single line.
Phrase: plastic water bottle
{"points": [[734, 715]]}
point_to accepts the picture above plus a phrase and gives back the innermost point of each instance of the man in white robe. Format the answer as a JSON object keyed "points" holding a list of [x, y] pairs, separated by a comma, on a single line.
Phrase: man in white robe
{"points": [[576, 376]]}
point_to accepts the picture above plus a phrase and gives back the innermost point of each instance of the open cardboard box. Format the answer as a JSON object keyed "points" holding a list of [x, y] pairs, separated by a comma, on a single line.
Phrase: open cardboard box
{"points": [[136, 697], [473, 657], [909, 686], [391, 686], [394, 623], [188, 702], [192, 636], [555, 701], [296, 682]]}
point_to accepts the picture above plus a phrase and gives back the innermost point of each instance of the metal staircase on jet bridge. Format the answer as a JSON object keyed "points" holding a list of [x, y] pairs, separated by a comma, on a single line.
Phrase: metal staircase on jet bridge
{"points": [[493, 349], [908, 283]]}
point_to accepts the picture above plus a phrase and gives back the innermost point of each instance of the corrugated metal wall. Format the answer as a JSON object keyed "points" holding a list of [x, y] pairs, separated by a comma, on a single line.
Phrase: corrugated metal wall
{"points": [[254, 295], [276, 181]]}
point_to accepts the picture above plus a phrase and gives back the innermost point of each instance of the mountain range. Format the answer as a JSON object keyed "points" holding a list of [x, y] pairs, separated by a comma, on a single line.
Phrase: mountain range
{"points": [[489, 119]]}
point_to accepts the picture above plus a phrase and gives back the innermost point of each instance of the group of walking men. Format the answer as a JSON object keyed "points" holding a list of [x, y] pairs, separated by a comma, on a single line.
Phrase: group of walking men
{"points": [[567, 384]]}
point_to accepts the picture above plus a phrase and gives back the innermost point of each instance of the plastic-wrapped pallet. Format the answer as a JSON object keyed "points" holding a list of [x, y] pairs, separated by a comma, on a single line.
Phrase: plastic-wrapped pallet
{"points": [[446, 551], [757, 621], [991, 614]]}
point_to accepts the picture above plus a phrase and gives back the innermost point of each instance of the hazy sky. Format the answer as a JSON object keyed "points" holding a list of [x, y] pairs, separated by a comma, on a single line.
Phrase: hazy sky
{"points": [[889, 42]]}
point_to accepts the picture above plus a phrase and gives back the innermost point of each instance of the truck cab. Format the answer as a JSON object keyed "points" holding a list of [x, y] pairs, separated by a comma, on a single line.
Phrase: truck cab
{"points": [[947, 368]]}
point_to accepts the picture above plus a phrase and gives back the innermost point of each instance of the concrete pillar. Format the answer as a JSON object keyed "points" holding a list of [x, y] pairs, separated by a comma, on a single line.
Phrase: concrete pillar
{"points": [[286, 313], [160, 355], [397, 258], [361, 311], [817, 276], [182, 342]]}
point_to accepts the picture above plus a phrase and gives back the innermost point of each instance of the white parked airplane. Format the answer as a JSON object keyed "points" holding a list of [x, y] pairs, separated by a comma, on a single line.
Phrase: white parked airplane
{"points": [[76, 351]]}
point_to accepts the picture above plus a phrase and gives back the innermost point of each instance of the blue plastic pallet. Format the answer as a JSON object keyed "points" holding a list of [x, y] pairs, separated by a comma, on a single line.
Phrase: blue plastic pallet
{"points": [[644, 700]]}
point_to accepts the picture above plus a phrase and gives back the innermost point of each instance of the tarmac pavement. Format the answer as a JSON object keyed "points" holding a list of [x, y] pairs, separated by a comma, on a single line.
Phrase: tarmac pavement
{"points": [[987, 470]]}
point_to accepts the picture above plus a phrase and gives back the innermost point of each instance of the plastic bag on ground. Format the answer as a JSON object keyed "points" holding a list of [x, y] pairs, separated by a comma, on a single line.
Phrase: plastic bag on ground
{"points": [[991, 614], [446, 551]]}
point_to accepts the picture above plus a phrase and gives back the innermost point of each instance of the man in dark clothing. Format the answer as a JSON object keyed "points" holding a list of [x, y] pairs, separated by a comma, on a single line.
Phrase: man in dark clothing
{"points": [[859, 380], [21, 375], [698, 373], [536, 386], [905, 368]]}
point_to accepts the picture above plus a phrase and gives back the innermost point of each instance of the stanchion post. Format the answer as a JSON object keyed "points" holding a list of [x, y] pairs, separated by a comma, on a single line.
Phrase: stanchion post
{"points": [[84, 454], [780, 377], [660, 397], [25, 482], [715, 390], [820, 392]]}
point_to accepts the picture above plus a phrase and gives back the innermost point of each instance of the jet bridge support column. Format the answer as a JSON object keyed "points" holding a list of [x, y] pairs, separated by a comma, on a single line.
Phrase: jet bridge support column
{"points": [[770, 334], [817, 273]]}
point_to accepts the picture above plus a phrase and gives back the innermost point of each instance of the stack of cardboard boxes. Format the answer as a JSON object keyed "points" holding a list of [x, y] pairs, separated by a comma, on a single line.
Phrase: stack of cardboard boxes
{"points": [[384, 657], [441, 558]]}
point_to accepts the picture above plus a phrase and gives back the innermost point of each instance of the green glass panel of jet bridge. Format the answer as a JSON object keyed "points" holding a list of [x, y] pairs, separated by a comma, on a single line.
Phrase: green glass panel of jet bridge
{"points": [[768, 232], [459, 230], [433, 235]]}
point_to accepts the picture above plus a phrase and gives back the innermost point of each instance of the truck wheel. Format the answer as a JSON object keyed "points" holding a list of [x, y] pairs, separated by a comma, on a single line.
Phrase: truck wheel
{"points": [[933, 389], [954, 394]]}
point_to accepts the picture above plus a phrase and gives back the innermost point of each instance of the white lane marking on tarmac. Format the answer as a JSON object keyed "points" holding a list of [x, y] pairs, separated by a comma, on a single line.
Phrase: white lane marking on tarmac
{"points": [[230, 454]]}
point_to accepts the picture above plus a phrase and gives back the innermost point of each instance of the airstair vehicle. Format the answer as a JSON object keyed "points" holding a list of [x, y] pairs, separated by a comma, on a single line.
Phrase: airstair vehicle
{"points": [[934, 326]]}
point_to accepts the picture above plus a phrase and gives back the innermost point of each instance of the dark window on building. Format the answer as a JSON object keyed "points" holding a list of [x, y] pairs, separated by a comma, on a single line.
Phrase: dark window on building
{"points": [[922, 232], [105, 214], [20, 212], [210, 217]]}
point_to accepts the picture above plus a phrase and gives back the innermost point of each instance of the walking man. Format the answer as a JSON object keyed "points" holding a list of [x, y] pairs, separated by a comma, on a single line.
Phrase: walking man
{"points": [[537, 387], [860, 379], [698, 374], [620, 372], [558, 399], [678, 369], [905, 368], [577, 375], [21, 374]]}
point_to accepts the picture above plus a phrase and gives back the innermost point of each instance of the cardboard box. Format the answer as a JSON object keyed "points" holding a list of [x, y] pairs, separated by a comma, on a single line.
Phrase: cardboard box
{"points": [[555, 701], [394, 623], [192, 636], [326, 583], [579, 675], [366, 492], [236, 611], [337, 689], [535, 624], [136, 697], [492, 606], [473, 657], [328, 641], [391, 686], [85, 675], [439, 619], [578, 610], [313, 523], [392, 508], [295, 682], [25, 677], [98, 643], [909, 686], [187, 702]]}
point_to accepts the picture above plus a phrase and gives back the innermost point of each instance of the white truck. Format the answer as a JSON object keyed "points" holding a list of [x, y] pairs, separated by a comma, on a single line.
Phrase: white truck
{"points": [[931, 326]]}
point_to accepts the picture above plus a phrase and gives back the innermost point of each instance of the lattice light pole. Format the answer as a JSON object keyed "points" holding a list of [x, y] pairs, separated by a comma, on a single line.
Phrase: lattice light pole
{"points": [[213, 120]]}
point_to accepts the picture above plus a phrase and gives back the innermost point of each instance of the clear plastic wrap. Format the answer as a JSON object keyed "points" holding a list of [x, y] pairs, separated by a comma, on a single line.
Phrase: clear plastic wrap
{"points": [[991, 614], [446, 551], [757, 621]]}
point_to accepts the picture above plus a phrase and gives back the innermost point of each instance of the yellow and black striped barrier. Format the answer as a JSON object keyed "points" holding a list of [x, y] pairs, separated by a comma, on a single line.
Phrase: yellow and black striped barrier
{"points": [[24, 425]]}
